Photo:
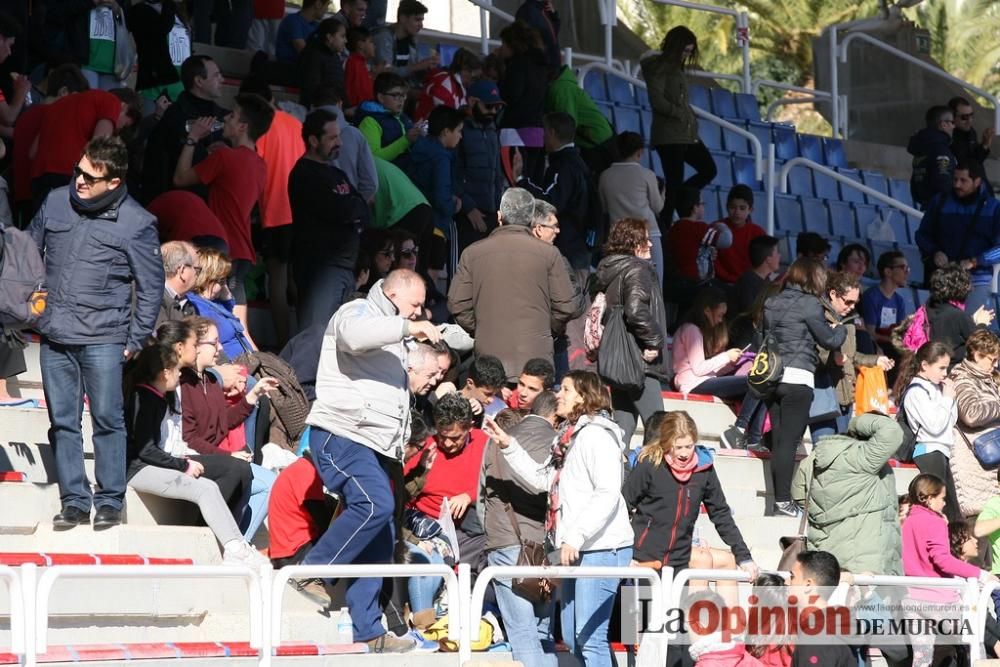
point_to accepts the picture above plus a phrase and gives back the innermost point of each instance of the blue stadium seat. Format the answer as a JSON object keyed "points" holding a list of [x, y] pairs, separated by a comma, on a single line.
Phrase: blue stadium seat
{"points": [[815, 216], [788, 213], [698, 97], [899, 189], [446, 52], [876, 181], [713, 211], [786, 246], [916, 263], [593, 85], [842, 222], [909, 297], [847, 193], [620, 90], [762, 131], [800, 182], [835, 246], [912, 224], [878, 248], [826, 187], [710, 134], [897, 220], [833, 153], [744, 171], [723, 102], [785, 145], [627, 119], [424, 50], [647, 158], [608, 109], [865, 214], [642, 97], [811, 147], [747, 107], [655, 165], [734, 142], [723, 163]]}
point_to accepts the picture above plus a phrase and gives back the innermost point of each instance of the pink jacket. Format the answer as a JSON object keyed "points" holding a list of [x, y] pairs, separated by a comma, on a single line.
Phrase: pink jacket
{"points": [[736, 656], [691, 368], [926, 553]]}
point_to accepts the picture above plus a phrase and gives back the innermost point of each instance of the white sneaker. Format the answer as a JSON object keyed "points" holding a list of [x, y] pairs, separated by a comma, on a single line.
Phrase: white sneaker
{"points": [[243, 554]]}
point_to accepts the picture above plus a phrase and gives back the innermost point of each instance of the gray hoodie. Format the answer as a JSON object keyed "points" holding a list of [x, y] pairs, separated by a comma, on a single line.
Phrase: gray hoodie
{"points": [[355, 156], [362, 391]]}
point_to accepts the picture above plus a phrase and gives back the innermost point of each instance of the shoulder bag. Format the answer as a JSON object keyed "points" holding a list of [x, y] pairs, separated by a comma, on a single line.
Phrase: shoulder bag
{"points": [[619, 359]]}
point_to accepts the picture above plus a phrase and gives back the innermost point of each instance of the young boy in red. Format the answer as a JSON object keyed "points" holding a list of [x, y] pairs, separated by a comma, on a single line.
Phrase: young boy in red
{"points": [[357, 75], [734, 261]]}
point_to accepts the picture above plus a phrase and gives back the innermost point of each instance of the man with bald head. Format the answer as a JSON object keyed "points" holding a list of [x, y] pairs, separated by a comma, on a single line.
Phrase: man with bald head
{"points": [[512, 290], [360, 422], [181, 268]]}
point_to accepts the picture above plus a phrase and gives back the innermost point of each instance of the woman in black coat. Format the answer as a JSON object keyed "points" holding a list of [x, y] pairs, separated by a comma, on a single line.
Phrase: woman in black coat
{"points": [[795, 318], [627, 276], [523, 85], [946, 317]]}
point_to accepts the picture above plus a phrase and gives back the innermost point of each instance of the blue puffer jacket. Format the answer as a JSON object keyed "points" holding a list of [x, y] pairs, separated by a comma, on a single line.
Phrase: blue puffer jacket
{"points": [[948, 227], [91, 263], [432, 170], [482, 180]]}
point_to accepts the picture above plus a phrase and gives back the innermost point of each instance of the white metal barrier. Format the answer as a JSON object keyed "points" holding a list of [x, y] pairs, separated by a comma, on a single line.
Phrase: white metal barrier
{"points": [[815, 166], [756, 147], [18, 621]]}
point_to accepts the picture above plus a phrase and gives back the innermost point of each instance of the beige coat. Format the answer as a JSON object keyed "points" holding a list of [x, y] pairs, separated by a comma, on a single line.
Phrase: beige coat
{"points": [[978, 412], [511, 291]]}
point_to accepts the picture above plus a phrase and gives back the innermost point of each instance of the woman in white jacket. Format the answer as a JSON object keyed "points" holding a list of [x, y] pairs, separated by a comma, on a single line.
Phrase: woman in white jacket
{"points": [[587, 519]]}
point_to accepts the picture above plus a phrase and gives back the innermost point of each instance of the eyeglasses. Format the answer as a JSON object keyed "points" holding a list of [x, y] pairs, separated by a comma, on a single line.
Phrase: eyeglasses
{"points": [[388, 252], [850, 302], [213, 343], [409, 252], [89, 179], [901, 267], [555, 226], [966, 116]]}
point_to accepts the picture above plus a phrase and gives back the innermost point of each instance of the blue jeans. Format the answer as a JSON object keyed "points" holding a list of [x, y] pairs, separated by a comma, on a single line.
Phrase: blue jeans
{"points": [[364, 531], [256, 504], [751, 417], [322, 290], [69, 372], [528, 625], [423, 590], [585, 608]]}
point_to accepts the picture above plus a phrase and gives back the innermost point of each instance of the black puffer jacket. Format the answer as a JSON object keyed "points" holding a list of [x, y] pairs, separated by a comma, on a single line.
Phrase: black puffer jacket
{"points": [[645, 314], [799, 326]]}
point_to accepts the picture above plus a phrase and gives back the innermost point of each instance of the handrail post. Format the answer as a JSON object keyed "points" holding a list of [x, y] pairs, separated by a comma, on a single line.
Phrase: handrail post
{"points": [[970, 611], [743, 31], [463, 613], [266, 642], [29, 586], [769, 185], [834, 84], [484, 29], [610, 12]]}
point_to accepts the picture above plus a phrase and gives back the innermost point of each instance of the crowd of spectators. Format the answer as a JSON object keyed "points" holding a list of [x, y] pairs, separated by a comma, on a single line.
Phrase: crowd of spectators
{"points": [[445, 235]]}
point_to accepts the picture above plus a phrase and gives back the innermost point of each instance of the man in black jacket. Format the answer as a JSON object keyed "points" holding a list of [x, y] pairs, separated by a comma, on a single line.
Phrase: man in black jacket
{"points": [[964, 143], [567, 186], [933, 161], [202, 81], [99, 246]]}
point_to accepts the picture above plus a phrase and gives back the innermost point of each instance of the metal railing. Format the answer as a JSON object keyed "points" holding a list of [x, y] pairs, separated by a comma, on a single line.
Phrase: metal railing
{"points": [[556, 572], [840, 53], [18, 620], [815, 166], [757, 149]]}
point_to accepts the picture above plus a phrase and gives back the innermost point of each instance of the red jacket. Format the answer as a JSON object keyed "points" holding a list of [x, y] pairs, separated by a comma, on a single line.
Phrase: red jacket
{"points": [[734, 261], [357, 81]]}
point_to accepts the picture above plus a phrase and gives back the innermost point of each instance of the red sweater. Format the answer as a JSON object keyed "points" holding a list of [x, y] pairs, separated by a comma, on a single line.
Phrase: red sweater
{"points": [[734, 261], [206, 415], [357, 81], [684, 239], [450, 476]]}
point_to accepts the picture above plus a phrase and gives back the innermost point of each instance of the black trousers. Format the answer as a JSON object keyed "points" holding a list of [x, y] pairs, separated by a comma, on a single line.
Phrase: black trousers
{"points": [[673, 157], [789, 410], [230, 474], [937, 464]]}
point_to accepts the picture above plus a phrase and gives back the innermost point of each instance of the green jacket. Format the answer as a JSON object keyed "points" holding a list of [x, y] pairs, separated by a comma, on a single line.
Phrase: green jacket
{"points": [[673, 120], [853, 507], [566, 95], [396, 195]]}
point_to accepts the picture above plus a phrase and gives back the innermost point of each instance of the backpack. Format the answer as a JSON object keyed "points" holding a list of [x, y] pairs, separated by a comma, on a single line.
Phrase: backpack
{"points": [[705, 259], [22, 280], [905, 452]]}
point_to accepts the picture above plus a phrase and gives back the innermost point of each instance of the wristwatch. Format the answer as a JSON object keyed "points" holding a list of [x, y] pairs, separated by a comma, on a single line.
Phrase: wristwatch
{"points": [[188, 141]]}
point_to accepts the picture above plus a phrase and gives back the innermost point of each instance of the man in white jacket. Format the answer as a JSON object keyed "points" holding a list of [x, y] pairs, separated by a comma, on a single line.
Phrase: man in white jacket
{"points": [[360, 422]]}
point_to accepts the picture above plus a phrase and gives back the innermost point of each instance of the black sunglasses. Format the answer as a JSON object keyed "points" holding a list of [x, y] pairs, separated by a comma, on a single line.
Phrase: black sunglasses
{"points": [[89, 179], [409, 252]]}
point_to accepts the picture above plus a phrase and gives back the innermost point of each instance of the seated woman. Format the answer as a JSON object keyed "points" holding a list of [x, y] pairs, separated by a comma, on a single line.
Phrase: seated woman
{"points": [[211, 298], [157, 460], [946, 317], [447, 466], [208, 419], [703, 365]]}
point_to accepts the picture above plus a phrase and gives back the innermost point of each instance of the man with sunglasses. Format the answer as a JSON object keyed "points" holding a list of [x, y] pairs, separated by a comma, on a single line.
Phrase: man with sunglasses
{"points": [[99, 246], [964, 142]]}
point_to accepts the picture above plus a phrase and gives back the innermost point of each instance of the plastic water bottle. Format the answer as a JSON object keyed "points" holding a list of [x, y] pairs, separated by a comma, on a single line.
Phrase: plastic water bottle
{"points": [[345, 628]]}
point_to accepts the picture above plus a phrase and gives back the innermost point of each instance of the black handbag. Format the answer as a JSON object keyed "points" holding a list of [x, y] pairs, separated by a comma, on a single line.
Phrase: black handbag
{"points": [[619, 359], [767, 370]]}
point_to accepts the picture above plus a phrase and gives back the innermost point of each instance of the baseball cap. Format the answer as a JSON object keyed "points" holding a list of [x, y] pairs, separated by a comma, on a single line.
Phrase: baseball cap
{"points": [[485, 91]]}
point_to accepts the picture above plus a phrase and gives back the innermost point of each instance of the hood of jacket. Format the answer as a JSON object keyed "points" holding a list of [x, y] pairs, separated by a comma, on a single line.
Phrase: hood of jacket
{"points": [[566, 75], [604, 422], [377, 296], [923, 141]]}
